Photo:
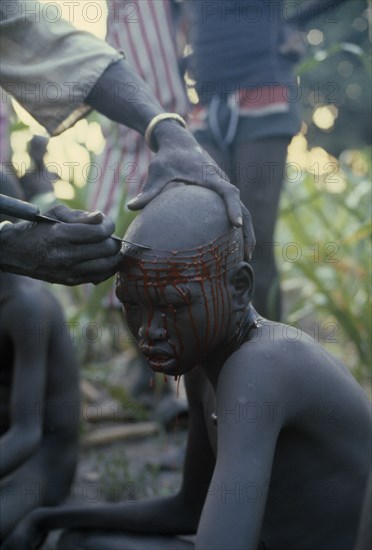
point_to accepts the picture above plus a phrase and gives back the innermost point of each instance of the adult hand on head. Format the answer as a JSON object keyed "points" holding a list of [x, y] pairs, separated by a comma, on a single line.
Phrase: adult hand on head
{"points": [[123, 97], [78, 250], [179, 157], [248, 234]]}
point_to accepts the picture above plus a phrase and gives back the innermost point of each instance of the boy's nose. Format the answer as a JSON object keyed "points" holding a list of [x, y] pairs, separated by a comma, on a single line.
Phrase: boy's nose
{"points": [[153, 329]]}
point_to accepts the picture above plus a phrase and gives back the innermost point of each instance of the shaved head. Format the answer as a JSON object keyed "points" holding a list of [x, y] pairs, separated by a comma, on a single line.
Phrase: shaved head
{"points": [[184, 298], [182, 217]]}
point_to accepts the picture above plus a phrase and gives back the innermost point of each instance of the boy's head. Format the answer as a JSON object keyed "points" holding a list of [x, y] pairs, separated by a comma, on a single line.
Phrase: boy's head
{"points": [[184, 298], [37, 148]]}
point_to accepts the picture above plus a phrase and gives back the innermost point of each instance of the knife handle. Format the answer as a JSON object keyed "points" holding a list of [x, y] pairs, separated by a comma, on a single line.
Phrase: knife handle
{"points": [[18, 209]]}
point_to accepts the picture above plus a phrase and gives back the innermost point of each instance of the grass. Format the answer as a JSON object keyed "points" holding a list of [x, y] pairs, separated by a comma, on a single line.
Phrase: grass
{"points": [[326, 269]]}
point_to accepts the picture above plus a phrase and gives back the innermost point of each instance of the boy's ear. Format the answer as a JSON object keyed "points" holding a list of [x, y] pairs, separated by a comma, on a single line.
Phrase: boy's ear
{"points": [[243, 283]]}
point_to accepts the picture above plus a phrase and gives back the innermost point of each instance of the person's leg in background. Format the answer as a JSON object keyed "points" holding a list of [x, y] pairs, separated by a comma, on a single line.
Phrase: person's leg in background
{"points": [[222, 158], [256, 167], [258, 170]]}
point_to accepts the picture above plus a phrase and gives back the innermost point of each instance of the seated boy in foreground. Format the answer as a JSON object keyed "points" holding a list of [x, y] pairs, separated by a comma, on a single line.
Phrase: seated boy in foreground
{"points": [[291, 423], [39, 396]]}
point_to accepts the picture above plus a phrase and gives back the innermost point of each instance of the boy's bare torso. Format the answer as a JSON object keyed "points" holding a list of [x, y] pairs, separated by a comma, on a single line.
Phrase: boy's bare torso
{"points": [[283, 388], [39, 393], [48, 329]]}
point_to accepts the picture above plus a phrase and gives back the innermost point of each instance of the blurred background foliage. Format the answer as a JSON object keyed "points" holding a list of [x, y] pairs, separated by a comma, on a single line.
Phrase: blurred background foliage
{"points": [[335, 78], [325, 211], [324, 253]]}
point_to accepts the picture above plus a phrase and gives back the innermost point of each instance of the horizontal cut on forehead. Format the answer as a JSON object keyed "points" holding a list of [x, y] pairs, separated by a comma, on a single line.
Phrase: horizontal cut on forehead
{"points": [[182, 217], [158, 268]]}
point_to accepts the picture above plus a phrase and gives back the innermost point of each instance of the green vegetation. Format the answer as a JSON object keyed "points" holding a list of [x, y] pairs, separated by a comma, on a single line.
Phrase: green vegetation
{"points": [[324, 256]]}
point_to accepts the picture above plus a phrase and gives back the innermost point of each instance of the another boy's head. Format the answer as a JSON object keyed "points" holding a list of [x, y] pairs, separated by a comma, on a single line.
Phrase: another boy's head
{"points": [[37, 148], [184, 298], [10, 186]]}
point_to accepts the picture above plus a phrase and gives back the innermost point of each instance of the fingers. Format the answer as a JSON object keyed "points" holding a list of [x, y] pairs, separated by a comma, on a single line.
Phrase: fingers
{"points": [[93, 271], [61, 257], [228, 192], [190, 165], [230, 195], [233, 204], [65, 214], [158, 178], [248, 233], [77, 264], [48, 252], [78, 253], [80, 233], [214, 178], [78, 226], [144, 198]]}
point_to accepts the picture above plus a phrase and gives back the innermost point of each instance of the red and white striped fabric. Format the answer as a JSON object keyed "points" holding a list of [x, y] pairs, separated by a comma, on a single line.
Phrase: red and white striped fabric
{"points": [[144, 30], [257, 101]]}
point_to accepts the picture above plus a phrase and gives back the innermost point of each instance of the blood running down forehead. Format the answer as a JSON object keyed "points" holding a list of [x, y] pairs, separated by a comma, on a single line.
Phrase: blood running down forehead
{"points": [[159, 268], [190, 236], [193, 247]]}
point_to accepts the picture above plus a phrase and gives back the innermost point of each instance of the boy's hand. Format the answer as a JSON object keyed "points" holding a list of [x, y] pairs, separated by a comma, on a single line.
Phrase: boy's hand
{"points": [[79, 250], [180, 158]]}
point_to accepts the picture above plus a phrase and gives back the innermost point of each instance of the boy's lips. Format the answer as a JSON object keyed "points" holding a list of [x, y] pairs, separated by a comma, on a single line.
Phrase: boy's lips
{"points": [[158, 359], [161, 365]]}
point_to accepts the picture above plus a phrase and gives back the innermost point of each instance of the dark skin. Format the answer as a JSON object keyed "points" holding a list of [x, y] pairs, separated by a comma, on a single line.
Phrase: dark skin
{"points": [[76, 251], [75, 254], [292, 424], [40, 401]]}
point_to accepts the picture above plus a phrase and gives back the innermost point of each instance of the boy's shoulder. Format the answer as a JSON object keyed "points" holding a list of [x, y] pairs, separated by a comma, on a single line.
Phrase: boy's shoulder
{"points": [[278, 345], [24, 299], [275, 357]]}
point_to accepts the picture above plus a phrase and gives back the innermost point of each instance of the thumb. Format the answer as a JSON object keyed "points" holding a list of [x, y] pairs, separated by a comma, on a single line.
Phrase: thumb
{"points": [[64, 214]]}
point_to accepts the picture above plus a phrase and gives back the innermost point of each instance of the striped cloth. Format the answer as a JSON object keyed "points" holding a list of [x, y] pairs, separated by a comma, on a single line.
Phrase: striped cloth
{"points": [[247, 102], [144, 30]]}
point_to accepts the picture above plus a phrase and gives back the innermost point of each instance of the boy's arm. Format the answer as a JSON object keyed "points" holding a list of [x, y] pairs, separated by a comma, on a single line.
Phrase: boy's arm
{"points": [[234, 509], [178, 514], [156, 516], [28, 388]]}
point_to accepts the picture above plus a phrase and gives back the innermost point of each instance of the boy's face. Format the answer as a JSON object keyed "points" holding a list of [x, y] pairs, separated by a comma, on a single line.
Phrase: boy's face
{"points": [[178, 316]]}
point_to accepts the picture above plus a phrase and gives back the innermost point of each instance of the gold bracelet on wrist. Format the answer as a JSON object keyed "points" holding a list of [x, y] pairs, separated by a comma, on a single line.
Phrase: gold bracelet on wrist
{"points": [[158, 118]]}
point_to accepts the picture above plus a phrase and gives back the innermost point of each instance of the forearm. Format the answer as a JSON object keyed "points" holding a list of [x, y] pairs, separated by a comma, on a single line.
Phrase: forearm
{"points": [[121, 95], [166, 515]]}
